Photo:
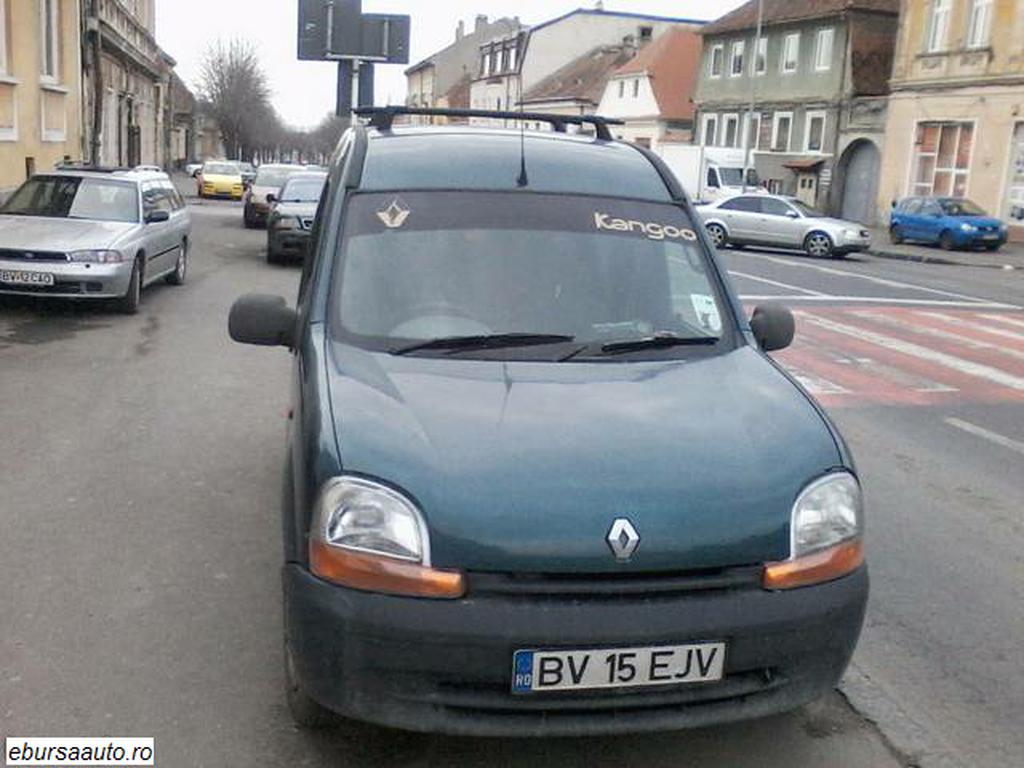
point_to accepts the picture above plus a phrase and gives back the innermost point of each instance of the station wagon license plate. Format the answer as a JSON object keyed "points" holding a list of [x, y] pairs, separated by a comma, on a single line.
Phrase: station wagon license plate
{"points": [[568, 670], [17, 277]]}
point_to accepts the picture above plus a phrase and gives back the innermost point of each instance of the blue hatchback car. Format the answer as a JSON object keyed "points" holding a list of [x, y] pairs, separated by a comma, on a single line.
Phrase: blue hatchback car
{"points": [[542, 477], [951, 222]]}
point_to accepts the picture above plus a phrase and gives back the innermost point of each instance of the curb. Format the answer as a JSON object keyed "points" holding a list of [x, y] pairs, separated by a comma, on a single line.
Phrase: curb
{"points": [[928, 259]]}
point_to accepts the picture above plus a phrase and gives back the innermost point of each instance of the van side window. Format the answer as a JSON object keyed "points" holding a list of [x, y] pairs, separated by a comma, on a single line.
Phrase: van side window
{"points": [[712, 177]]}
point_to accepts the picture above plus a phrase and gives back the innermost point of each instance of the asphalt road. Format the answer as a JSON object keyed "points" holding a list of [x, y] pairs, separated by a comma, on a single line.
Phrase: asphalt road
{"points": [[140, 544]]}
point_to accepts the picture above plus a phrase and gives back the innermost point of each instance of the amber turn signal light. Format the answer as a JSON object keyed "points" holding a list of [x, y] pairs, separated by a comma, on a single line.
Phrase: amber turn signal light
{"points": [[816, 568], [375, 573]]}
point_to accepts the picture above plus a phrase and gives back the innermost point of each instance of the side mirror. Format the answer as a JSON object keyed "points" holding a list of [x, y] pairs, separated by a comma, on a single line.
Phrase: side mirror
{"points": [[154, 217], [271, 198], [773, 326], [262, 319], [792, 215]]}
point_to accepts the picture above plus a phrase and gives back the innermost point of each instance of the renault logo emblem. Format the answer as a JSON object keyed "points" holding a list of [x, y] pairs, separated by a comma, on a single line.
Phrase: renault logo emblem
{"points": [[623, 539], [394, 215]]}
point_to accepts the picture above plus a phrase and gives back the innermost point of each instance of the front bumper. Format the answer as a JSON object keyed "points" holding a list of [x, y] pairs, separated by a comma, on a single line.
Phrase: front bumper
{"points": [[980, 239], [445, 666], [71, 279], [258, 212], [849, 244], [288, 242], [220, 190]]}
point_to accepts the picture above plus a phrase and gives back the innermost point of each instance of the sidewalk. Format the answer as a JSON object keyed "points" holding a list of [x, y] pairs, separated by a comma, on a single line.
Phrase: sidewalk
{"points": [[1010, 256]]}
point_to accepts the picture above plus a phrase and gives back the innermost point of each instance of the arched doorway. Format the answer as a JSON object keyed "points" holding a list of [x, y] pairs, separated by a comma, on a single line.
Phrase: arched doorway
{"points": [[860, 167]]}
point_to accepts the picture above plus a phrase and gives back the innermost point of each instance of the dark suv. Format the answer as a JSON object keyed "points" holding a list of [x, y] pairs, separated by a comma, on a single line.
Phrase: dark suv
{"points": [[542, 477]]}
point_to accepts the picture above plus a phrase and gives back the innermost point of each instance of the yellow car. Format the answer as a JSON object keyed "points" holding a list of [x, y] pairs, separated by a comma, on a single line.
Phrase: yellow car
{"points": [[220, 178]]}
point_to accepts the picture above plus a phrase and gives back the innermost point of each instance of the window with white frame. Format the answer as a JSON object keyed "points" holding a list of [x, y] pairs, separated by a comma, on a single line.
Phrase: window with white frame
{"points": [[938, 26], [979, 24], [49, 20], [823, 49], [790, 52], [942, 158], [761, 56], [814, 131], [636, 88], [730, 130], [736, 58], [753, 130], [514, 58], [709, 130], [782, 129], [715, 64]]}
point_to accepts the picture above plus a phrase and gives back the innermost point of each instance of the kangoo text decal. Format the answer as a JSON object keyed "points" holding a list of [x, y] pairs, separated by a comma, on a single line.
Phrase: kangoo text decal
{"points": [[649, 229]]}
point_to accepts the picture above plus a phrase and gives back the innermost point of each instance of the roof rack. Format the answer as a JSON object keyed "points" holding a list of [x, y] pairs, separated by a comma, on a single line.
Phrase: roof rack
{"points": [[77, 165], [382, 118]]}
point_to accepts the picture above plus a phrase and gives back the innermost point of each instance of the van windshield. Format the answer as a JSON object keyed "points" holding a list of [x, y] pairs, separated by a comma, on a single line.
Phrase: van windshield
{"points": [[430, 266]]}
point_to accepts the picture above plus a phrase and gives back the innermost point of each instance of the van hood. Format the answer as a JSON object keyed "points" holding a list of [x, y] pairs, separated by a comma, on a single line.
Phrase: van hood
{"points": [[41, 233], [523, 466]]}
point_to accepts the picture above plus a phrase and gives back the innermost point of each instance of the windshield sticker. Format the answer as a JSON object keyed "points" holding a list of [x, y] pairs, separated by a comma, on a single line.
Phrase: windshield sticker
{"points": [[394, 215], [707, 311], [649, 229]]}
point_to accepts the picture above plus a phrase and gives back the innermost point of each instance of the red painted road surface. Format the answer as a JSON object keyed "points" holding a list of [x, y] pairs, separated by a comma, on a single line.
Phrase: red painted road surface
{"points": [[863, 355]]}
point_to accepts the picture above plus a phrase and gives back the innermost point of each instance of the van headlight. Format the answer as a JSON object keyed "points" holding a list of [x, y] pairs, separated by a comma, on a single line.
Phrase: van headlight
{"points": [[369, 536], [826, 530]]}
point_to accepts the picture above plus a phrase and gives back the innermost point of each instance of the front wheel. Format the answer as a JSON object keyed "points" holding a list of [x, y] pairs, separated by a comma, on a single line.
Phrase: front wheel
{"points": [[717, 234], [946, 241], [993, 246], [895, 236], [177, 277], [819, 245], [129, 303]]}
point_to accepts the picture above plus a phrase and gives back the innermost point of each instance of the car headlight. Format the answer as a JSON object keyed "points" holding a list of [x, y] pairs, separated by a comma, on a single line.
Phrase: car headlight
{"points": [[852, 234], [965, 227], [369, 536], [1003, 228], [284, 222], [96, 257], [826, 528]]}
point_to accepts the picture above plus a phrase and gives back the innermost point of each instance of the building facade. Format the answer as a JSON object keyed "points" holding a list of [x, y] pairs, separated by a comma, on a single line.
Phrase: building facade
{"points": [[956, 113], [40, 66], [443, 79], [817, 78], [651, 91]]}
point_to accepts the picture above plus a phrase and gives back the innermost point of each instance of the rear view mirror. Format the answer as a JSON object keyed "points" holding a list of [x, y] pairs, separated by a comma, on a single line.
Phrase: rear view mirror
{"points": [[271, 197], [773, 326], [262, 319], [792, 214], [154, 217]]}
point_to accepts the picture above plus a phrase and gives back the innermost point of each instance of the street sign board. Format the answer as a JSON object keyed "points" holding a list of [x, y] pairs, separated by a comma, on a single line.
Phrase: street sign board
{"points": [[385, 38], [330, 29]]}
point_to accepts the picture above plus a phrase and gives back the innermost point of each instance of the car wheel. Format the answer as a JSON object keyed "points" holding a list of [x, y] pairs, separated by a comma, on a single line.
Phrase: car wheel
{"points": [[717, 234], [946, 241], [129, 303], [304, 710], [177, 277], [895, 236], [272, 255], [818, 245], [247, 218], [993, 246]]}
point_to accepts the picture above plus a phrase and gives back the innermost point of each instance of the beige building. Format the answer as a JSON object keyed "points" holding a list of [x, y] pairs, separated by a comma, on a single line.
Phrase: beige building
{"points": [[40, 86], [956, 113]]}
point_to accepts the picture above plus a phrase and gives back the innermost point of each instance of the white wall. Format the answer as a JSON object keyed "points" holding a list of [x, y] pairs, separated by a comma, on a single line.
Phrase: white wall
{"points": [[643, 105]]}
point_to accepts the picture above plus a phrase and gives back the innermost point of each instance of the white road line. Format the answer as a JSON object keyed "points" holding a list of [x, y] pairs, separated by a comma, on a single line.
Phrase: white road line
{"points": [[1005, 319], [995, 375], [959, 322], [776, 283], [881, 300], [937, 333], [873, 279], [992, 437]]}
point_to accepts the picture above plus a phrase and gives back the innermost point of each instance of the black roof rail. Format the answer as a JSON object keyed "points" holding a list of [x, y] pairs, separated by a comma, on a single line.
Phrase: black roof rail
{"points": [[382, 118], [76, 165]]}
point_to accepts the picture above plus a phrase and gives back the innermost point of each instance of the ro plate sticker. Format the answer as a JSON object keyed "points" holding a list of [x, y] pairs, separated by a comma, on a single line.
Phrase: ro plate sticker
{"points": [[522, 672], [707, 312]]}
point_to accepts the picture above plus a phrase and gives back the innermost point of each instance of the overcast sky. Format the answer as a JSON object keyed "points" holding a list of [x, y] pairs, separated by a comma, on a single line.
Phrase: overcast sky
{"points": [[303, 92]]}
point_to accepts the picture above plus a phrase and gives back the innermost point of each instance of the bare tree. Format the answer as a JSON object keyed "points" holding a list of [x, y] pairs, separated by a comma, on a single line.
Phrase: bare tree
{"points": [[234, 88]]}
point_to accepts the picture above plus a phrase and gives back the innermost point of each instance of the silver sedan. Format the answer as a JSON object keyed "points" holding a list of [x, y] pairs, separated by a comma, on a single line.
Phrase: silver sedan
{"points": [[781, 222], [95, 235]]}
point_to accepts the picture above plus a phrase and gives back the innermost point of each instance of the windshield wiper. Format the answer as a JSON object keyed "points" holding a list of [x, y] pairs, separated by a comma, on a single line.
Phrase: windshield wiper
{"points": [[657, 341], [488, 341]]}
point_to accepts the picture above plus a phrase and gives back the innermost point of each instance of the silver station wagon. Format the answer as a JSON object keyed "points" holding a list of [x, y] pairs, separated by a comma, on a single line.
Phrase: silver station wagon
{"points": [[94, 234]]}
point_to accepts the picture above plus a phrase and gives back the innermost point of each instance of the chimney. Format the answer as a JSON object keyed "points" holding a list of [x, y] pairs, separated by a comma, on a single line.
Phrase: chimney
{"points": [[629, 44], [481, 22], [460, 31]]}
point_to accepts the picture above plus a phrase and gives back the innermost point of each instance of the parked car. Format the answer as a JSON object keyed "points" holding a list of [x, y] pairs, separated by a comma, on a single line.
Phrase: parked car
{"points": [[94, 235], [193, 169], [248, 173], [220, 178], [291, 216], [781, 222], [542, 476], [269, 180], [951, 222], [149, 168]]}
